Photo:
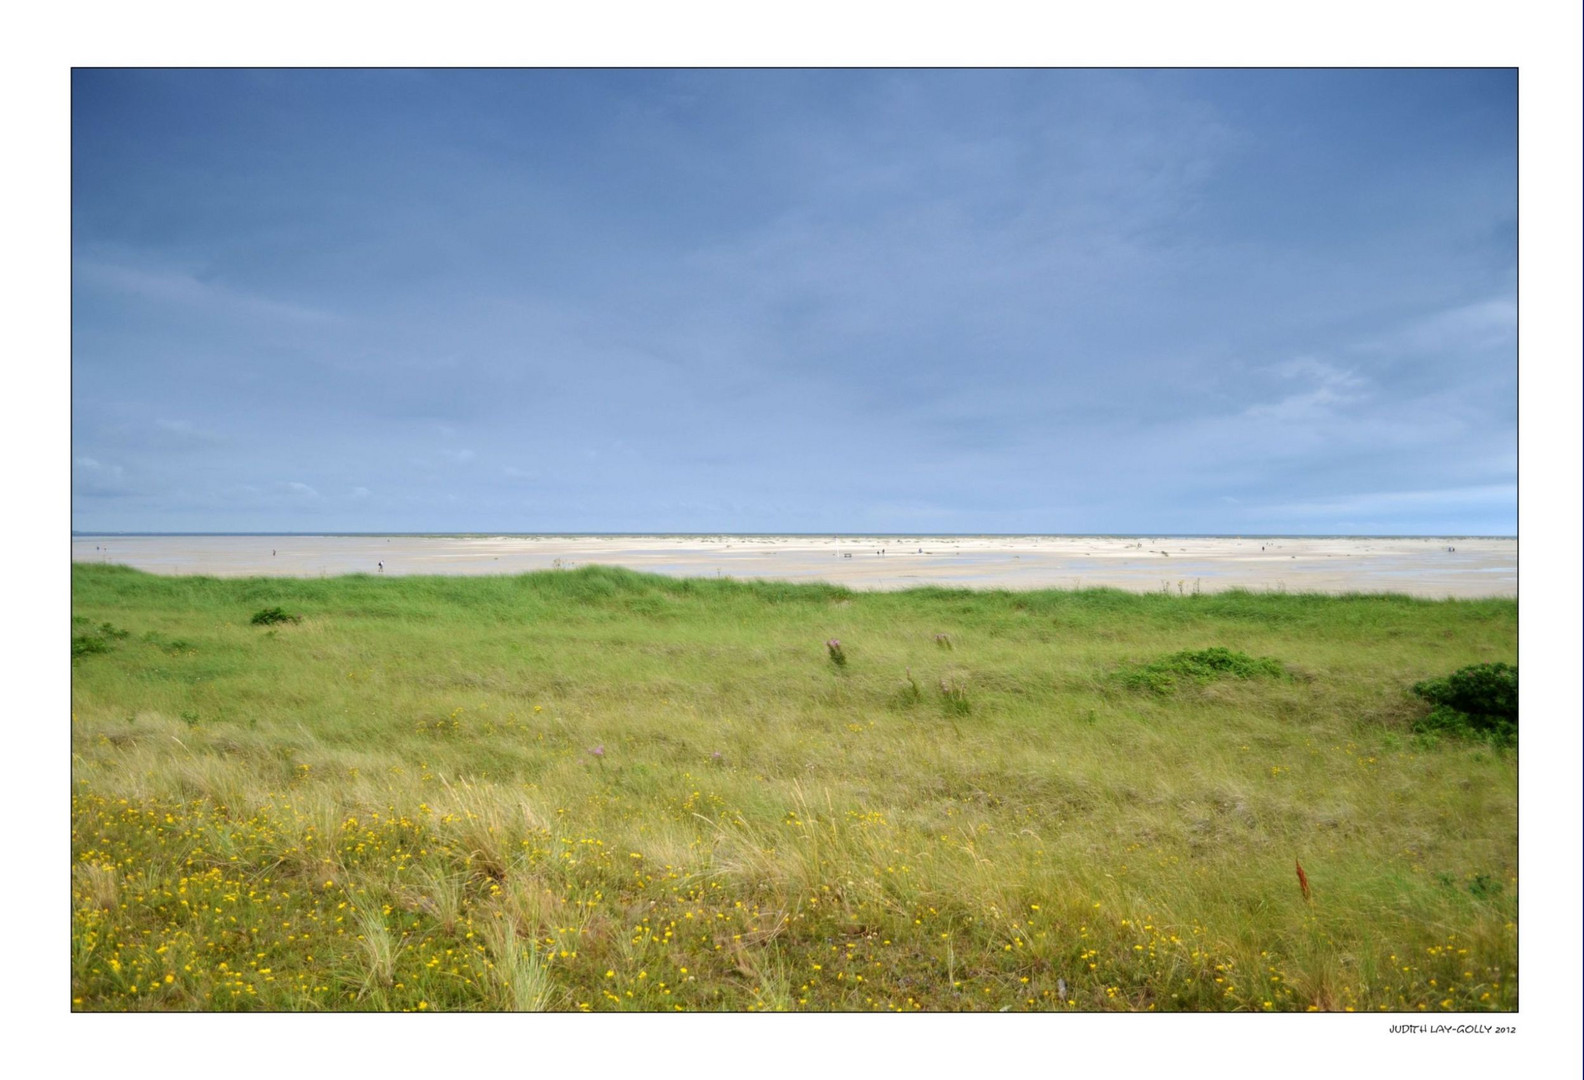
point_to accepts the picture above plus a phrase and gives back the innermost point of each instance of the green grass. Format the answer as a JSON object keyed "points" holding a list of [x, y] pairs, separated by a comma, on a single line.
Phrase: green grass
{"points": [[396, 802], [1199, 666]]}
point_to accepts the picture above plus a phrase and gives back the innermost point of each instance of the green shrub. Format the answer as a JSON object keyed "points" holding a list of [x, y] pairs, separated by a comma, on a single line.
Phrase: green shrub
{"points": [[97, 641], [88, 645], [1480, 700], [1199, 666], [273, 615]]}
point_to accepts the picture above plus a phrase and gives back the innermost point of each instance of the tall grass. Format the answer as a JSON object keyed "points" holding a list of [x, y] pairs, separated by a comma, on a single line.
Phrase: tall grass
{"points": [[393, 804]]}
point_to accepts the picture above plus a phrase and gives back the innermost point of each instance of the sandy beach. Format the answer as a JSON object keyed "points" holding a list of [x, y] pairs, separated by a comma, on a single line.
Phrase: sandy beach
{"points": [[1419, 566]]}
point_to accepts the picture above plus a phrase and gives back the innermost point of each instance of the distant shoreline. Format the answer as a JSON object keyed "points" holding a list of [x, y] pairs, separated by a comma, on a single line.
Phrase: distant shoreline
{"points": [[1420, 566], [841, 535]]}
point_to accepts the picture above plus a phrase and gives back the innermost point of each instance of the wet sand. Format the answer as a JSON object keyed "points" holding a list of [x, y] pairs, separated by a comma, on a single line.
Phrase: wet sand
{"points": [[1419, 566]]}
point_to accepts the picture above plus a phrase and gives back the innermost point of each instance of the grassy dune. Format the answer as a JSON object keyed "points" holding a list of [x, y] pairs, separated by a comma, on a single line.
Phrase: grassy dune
{"points": [[602, 790]]}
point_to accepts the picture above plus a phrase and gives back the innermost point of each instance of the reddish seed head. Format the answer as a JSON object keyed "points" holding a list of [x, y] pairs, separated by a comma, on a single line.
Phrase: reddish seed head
{"points": [[1303, 879]]}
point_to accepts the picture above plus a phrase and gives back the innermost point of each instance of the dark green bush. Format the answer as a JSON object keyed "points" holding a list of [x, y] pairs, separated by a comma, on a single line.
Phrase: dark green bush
{"points": [[97, 641], [88, 644], [1479, 700], [1199, 666], [273, 615]]}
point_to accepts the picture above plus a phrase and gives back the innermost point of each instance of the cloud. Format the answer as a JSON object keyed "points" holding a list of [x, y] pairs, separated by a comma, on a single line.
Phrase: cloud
{"points": [[1486, 324], [185, 431], [94, 479], [1044, 300], [1400, 503], [185, 289], [179, 435], [159, 435], [1328, 387]]}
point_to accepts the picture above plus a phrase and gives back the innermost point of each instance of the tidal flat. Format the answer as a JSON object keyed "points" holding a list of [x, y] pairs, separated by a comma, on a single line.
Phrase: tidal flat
{"points": [[1431, 567]]}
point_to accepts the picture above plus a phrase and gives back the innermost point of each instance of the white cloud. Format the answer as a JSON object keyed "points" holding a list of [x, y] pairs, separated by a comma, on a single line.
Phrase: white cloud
{"points": [[1329, 386]]}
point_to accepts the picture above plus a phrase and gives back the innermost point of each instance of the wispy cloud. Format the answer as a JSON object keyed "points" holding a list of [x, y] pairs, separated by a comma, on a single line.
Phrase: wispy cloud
{"points": [[1486, 324], [1375, 502], [185, 289], [96, 479], [1326, 387]]}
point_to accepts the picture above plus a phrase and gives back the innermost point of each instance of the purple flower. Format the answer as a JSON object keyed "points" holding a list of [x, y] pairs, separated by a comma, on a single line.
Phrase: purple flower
{"points": [[598, 751]]}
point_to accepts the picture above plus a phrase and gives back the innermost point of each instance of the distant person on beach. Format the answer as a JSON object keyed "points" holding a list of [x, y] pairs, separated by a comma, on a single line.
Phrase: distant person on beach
{"points": [[382, 567]]}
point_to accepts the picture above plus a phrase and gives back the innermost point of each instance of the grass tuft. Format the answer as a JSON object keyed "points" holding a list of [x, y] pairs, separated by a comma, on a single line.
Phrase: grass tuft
{"points": [[1198, 666]]}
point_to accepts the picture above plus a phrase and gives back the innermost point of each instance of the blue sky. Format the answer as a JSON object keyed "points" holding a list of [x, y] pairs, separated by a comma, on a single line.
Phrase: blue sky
{"points": [[805, 301]]}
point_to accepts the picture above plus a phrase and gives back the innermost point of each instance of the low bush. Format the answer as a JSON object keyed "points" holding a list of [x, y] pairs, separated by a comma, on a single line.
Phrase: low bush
{"points": [[1480, 701], [101, 640], [1199, 666], [88, 645], [271, 615]]}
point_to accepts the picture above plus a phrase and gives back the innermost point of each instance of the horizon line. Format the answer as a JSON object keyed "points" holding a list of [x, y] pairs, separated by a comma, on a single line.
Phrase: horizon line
{"points": [[878, 535]]}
